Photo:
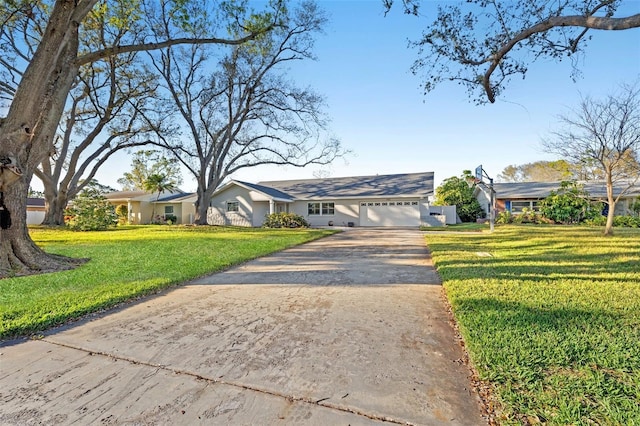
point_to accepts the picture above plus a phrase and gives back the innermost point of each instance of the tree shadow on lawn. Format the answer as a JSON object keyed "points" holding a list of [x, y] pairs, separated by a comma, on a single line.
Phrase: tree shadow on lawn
{"points": [[545, 358], [539, 260], [590, 268]]}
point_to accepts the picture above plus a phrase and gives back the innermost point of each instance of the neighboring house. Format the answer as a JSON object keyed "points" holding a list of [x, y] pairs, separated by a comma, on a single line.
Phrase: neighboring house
{"points": [[515, 196], [382, 200], [145, 207], [35, 211]]}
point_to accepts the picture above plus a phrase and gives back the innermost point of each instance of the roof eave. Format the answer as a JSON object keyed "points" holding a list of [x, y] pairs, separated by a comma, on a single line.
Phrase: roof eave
{"points": [[368, 197]]}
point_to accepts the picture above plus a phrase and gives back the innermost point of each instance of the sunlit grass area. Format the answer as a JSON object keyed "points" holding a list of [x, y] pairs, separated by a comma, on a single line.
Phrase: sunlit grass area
{"points": [[126, 263], [551, 318]]}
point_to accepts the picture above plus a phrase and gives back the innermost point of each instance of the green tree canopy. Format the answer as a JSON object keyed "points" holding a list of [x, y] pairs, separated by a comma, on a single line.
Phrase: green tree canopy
{"points": [[457, 191], [91, 211], [147, 163], [538, 171], [158, 183]]}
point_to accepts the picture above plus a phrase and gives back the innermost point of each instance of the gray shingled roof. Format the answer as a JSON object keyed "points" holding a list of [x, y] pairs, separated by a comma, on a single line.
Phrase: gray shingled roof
{"points": [[272, 192], [408, 184], [171, 197], [534, 190]]}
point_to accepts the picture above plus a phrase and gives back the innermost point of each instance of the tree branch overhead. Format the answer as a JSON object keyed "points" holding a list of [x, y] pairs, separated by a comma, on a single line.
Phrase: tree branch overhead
{"points": [[469, 44]]}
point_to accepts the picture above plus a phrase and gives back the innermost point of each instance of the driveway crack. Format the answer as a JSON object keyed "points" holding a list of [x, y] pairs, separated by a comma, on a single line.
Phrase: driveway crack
{"points": [[323, 402]]}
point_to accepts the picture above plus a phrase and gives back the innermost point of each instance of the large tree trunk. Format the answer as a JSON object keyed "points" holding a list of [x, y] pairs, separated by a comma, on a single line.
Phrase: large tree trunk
{"points": [[202, 206], [18, 253], [26, 134], [202, 202], [54, 205]]}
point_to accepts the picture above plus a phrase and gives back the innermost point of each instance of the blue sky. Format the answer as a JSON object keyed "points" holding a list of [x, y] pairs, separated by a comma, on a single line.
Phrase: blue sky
{"points": [[380, 113]]}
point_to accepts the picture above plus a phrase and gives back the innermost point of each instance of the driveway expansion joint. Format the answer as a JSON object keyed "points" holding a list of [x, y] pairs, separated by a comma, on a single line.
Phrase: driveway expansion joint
{"points": [[319, 403]]}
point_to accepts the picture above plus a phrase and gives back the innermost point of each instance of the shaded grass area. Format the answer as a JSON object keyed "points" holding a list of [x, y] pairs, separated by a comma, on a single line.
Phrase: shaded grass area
{"points": [[459, 227], [126, 263], [551, 319]]}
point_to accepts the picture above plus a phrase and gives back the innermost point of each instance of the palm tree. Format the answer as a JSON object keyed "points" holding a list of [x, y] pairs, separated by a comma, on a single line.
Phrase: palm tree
{"points": [[158, 182]]}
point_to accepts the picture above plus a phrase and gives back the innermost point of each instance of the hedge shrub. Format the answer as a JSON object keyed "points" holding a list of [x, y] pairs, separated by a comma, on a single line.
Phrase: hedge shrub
{"points": [[284, 220]]}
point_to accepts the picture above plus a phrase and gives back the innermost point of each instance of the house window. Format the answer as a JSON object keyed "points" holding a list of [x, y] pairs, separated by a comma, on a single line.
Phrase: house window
{"points": [[168, 210], [233, 206], [328, 208], [321, 209], [518, 206], [314, 209]]}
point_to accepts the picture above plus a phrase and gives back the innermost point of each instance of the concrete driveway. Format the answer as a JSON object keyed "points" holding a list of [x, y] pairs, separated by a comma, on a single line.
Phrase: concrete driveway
{"points": [[347, 330]]}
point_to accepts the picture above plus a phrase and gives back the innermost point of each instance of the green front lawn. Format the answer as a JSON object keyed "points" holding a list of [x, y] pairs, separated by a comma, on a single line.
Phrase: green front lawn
{"points": [[551, 319], [126, 263]]}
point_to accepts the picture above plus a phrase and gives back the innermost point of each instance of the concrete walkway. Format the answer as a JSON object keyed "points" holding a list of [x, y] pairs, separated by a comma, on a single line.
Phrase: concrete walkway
{"points": [[347, 330]]}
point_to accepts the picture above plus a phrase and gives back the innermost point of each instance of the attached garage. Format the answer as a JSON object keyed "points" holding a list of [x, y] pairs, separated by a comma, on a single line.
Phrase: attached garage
{"points": [[390, 213]]}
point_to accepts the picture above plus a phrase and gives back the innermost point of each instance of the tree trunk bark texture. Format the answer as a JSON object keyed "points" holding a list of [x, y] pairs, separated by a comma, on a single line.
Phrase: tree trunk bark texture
{"points": [[203, 200], [27, 132], [201, 209], [54, 209], [19, 255]]}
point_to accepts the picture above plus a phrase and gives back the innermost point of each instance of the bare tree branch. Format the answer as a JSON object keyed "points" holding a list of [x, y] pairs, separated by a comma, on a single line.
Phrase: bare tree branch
{"points": [[245, 113], [605, 132]]}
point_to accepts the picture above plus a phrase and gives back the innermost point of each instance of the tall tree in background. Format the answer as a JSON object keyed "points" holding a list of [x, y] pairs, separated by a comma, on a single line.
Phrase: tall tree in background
{"points": [[102, 117], [146, 163], [158, 183], [247, 113], [607, 133], [483, 44], [35, 90], [538, 171]]}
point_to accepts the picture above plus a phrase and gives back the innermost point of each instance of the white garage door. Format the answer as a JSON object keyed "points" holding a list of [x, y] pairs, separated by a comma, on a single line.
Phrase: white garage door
{"points": [[390, 213]]}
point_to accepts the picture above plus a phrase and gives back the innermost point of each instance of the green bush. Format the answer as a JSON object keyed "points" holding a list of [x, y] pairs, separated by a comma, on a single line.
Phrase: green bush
{"points": [[530, 216], [122, 211], [618, 221], [597, 221], [504, 217], [167, 219], [569, 204], [627, 221], [284, 220], [455, 191], [90, 211], [635, 207], [527, 216]]}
